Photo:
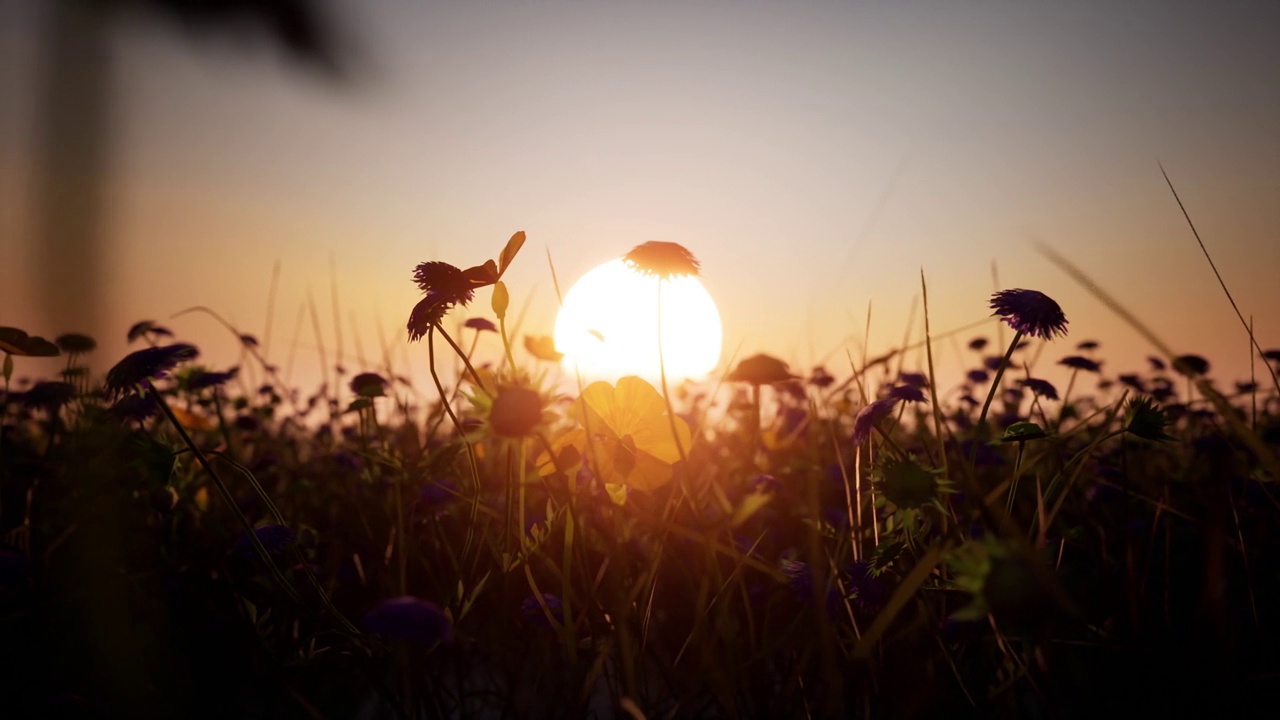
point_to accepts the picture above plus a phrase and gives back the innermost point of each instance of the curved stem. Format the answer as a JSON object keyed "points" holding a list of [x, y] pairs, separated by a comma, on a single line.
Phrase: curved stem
{"points": [[666, 394]]}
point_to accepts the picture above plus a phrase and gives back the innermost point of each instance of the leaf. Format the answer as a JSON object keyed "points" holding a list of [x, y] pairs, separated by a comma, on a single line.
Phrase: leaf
{"points": [[509, 252], [751, 504], [501, 300]]}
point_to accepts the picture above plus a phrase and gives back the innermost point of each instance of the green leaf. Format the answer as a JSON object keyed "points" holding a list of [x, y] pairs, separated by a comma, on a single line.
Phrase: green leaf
{"points": [[509, 252], [501, 300]]}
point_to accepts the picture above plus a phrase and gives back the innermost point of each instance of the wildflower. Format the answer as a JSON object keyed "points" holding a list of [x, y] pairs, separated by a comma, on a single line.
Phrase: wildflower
{"points": [[1087, 345], [1043, 388], [630, 443], [992, 362], [1156, 363], [480, 324], [867, 591], [410, 620], [542, 347], [147, 327], [664, 259], [201, 379], [1021, 432], [868, 417], [1132, 381], [17, 342], [1245, 388], [275, 538], [978, 344], [761, 369], [516, 411], [369, 385], [1146, 420], [820, 378], [426, 314], [915, 380], [134, 408], [1030, 312], [531, 609], [150, 363], [978, 376], [445, 281], [907, 393], [907, 485], [1076, 362], [1190, 365], [75, 343], [1271, 355]]}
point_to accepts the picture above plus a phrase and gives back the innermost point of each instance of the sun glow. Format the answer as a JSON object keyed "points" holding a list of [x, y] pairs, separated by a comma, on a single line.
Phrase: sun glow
{"points": [[608, 326]]}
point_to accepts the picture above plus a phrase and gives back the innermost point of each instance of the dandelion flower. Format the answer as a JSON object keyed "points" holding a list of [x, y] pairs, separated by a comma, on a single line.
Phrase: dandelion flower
{"points": [[1030, 312]]}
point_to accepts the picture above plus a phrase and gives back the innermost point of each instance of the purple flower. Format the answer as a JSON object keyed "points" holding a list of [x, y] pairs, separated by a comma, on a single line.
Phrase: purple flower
{"points": [[201, 379], [912, 379], [869, 416], [1030, 312], [275, 538], [479, 324], [146, 364], [133, 407], [978, 344], [1087, 345], [1133, 381], [411, 620], [1076, 362], [1043, 388], [447, 280], [978, 376], [1156, 363], [992, 362], [369, 385], [532, 610], [907, 393], [1191, 365]]}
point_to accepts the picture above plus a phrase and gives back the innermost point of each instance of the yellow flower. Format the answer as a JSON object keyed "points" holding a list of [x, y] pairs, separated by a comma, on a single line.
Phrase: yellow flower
{"points": [[630, 442]]}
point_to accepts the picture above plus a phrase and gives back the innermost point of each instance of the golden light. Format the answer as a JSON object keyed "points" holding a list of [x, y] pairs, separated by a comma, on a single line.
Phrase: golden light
{"points": [[608, 326]]}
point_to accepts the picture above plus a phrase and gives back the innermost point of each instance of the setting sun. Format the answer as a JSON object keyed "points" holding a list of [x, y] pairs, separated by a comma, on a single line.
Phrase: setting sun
{"points": [[608, 327]]}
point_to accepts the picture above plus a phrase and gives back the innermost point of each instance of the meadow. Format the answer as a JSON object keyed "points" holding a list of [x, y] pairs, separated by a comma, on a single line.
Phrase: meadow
{"points": [[845, 541]]}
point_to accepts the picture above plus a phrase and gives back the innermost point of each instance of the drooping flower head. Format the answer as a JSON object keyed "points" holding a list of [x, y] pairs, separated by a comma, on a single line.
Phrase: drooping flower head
{"points": [[663, 259], [149, 363], [1030, 312], [868, 417]]}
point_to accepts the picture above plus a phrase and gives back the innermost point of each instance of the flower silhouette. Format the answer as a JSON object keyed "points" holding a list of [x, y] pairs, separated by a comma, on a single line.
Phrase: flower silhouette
{"points": [[664, 259], [1030, 312]]}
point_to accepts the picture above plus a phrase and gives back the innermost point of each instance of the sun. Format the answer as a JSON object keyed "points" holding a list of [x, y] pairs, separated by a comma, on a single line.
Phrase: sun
{"points": [[608, 325]]}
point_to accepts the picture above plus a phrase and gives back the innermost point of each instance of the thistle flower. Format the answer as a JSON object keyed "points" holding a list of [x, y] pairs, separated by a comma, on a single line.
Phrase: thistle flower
{"points": [[1076, 362], [410, 620], [149, 363], [1145, 419], [913, 379], [663, 259], [446, 280], [427, 313], [1043, 388], [868, 417], [1030, 312], [906, 484]]}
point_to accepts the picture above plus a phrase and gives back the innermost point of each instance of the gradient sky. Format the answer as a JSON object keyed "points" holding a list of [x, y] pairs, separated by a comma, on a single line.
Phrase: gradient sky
{"points": [[815, 156]]}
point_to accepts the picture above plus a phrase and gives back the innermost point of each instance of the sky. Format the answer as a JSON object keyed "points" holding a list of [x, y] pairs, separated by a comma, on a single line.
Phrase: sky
{"points": [[816, 157]]}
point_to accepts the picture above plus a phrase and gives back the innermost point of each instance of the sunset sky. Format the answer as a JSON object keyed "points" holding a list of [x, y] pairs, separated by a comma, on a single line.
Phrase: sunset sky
{"points": [[815, 156]]}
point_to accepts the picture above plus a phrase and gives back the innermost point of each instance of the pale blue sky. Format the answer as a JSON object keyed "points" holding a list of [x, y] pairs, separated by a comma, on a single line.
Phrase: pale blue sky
{"points": [[813, 155]]}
